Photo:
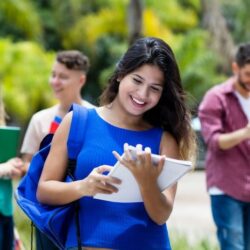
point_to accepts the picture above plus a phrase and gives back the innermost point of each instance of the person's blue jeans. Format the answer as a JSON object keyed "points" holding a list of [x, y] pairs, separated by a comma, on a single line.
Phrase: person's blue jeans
{"points": [[6, 232], [232, 218]]}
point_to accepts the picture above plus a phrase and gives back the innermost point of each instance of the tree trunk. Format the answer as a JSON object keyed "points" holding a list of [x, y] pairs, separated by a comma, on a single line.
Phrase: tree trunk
{"points": [[135, 10], [2, 113], [221, 40]]}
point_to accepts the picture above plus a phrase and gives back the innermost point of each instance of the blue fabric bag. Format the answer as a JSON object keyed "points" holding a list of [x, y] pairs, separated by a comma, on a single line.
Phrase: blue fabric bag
{"points": [[53, 221]]}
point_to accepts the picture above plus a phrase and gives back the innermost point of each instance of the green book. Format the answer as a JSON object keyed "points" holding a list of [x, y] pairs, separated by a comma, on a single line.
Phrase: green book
{"points": [[9, 142]]}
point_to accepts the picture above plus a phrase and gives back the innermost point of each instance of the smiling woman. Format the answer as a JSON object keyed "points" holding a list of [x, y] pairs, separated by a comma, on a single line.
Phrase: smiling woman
{"points": [[141, 89], [143, 104]]}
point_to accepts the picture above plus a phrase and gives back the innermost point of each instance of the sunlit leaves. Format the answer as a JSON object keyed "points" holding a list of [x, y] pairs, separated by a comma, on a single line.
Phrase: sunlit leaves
{"points": [[197, 64], [154, 27], [173, 15], [94, 25], [24, 78], [21, 18]]}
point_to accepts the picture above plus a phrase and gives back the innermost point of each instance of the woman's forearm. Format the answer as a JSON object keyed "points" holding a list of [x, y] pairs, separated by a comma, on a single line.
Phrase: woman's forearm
{"points": [[158, 204], [59, 193]]}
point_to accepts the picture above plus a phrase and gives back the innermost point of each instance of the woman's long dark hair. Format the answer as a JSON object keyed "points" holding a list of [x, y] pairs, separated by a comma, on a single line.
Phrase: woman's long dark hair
{"points": [[171, 113]]}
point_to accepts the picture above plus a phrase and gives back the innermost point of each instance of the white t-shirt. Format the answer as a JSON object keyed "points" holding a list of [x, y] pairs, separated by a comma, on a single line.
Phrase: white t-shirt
{"points": [[245, 104], [39, 127]]}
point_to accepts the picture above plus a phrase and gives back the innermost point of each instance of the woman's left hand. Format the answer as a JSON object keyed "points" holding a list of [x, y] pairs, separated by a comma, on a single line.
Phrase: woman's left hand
{"points": [[141, 166], [157, 203]]}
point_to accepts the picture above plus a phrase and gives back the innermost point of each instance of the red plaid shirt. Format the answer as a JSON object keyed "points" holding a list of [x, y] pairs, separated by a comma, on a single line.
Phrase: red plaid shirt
{"points": [[229, 170]]}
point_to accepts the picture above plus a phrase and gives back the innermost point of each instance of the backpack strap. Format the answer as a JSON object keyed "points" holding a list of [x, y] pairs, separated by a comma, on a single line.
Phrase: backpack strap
{"points": [[77, 130], [74, 145]]}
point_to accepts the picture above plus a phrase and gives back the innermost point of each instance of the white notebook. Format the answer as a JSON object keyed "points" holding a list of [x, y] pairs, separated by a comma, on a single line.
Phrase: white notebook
{"points": [[129, 191]]}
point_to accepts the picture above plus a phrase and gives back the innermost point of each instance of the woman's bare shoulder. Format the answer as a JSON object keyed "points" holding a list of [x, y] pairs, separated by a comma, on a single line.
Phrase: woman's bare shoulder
{"points": [[169, 146]]}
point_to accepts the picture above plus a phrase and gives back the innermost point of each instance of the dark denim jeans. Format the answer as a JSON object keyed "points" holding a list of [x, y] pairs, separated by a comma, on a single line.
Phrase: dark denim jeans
{"points": [[232, 218], [6, 232]]}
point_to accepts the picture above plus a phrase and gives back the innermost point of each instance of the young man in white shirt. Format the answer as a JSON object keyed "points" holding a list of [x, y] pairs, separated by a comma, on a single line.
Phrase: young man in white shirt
{"points": [[68, 76]]}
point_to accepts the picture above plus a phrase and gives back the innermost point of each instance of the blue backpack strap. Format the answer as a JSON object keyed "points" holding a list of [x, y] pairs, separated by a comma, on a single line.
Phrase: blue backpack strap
{"points": [[77, 130], [74, 145]]}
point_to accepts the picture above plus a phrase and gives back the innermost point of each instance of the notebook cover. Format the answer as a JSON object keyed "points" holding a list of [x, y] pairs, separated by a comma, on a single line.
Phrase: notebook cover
{"points": [[9, 142]]}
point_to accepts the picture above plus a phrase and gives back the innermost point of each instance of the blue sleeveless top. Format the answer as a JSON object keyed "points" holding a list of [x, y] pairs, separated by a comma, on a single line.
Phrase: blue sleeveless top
{"points": [[105, 224]]}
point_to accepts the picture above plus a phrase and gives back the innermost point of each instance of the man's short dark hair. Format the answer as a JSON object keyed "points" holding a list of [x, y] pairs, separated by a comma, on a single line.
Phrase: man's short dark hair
{"points": [[243, 54], [73, 59]]}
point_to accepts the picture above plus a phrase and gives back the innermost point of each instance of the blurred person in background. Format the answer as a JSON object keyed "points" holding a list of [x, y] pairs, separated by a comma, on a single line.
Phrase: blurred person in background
{"points": [[8, 170], [225, 121], [68, 76]]}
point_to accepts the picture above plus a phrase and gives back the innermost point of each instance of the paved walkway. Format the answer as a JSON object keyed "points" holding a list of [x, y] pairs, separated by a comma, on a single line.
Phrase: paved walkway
{"points": [[191, 214]]}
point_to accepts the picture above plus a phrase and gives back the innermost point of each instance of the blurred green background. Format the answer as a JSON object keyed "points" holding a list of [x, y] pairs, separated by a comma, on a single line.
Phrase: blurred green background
{"points": [[202, 33]]}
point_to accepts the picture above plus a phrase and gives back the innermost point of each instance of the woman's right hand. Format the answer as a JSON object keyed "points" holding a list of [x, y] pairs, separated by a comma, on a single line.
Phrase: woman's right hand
{"points": [[98, 182]]}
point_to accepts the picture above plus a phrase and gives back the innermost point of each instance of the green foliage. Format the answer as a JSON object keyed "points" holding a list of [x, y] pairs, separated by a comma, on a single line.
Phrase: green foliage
{"points": [[237, 17], [198, 65], [97, 24], [154, 27], [195, 4], [107, 56], [179, 241], [103, 57], [24, 77], [19, 20], [85, 21], [173, 15], [99, 28], [23, 225]]}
